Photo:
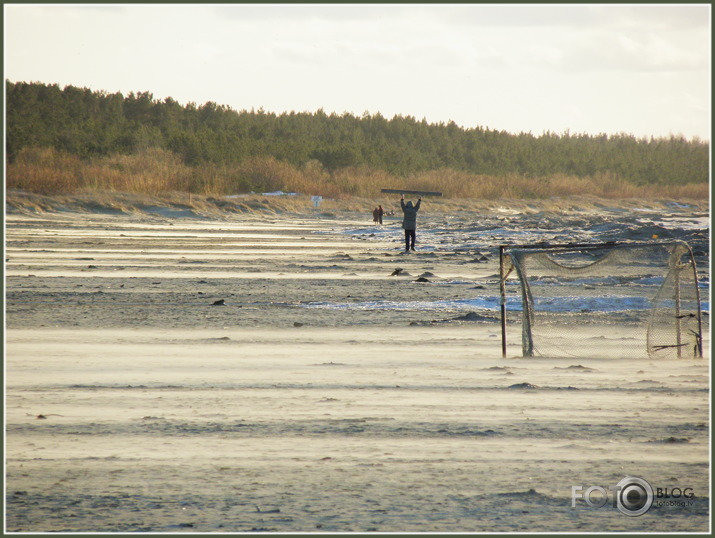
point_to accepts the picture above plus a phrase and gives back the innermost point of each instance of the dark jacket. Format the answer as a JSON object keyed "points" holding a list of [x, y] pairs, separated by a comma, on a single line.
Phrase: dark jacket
{"points": [[410, 211]]}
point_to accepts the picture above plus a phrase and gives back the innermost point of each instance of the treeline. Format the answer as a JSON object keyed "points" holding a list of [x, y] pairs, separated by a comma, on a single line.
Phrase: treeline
{"points": [[88, 125]]}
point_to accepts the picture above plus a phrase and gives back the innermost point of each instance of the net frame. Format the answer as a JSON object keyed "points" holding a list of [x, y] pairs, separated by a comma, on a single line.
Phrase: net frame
{"points": [[679, 249]]}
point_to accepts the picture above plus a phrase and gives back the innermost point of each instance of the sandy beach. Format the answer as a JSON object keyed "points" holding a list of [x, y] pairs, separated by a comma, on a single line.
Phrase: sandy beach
{"points": [[256, 365]]}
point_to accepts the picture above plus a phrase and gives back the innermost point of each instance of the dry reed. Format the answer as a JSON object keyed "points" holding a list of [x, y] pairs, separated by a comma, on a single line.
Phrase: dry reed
{"points": [[155, 171]]}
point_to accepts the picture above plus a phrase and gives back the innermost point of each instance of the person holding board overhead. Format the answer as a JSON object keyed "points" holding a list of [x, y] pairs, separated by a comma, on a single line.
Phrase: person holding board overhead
{"points": [[409, 222]]}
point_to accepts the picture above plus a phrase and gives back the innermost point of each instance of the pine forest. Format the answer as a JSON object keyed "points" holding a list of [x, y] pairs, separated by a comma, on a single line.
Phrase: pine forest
{"points": [[63, 140]]}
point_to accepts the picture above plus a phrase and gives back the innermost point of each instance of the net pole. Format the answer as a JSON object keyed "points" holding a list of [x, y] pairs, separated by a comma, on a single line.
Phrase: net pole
{"points": [[678, 340], [699, 336], [502, 289]]}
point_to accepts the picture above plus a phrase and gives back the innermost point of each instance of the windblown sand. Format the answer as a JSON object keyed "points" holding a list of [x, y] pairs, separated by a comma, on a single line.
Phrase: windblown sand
{"points": [[169, 370]]}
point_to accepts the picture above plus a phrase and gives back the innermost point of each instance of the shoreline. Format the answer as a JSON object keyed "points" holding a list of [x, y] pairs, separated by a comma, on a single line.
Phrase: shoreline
{"points": [[185, 205]]}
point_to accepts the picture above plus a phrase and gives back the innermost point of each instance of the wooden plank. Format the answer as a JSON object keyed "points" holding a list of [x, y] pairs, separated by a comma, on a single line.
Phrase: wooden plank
{"points": [[423, 193]]}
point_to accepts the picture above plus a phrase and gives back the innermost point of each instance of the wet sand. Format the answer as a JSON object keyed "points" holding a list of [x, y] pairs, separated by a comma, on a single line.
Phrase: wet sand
{"points": [[321, 394]]}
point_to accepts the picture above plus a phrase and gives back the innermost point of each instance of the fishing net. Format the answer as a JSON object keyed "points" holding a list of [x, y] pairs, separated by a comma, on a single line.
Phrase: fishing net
{"points": [[626, 300]]}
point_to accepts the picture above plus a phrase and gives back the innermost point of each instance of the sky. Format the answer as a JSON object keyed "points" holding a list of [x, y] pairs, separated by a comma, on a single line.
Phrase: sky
{"points": [[640, 69]]}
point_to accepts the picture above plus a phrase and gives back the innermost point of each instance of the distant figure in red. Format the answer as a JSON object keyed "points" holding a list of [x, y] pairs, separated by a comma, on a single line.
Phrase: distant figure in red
{"points": [[375, 215], [380, 213]]}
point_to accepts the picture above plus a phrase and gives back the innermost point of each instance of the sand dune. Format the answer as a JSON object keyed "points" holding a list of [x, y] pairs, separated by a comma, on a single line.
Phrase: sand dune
{"points": [[180, 205]]}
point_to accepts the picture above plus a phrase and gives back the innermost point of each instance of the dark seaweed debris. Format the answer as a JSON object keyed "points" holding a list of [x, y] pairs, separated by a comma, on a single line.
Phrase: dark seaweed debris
{"points": [[523, 386]]}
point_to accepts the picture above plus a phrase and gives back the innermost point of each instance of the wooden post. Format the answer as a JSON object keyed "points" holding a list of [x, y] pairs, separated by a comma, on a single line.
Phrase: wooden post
{"points": [[678, 340], [502, 289], [421, 193], [699, 336]]}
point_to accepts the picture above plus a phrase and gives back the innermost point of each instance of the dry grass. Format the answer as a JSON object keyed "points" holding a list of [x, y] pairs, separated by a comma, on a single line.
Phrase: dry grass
{"points": [[155, 171]]}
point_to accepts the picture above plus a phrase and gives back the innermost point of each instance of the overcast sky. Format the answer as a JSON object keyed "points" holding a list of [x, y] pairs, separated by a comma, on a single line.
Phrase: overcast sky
{"points": [[588, 68]]}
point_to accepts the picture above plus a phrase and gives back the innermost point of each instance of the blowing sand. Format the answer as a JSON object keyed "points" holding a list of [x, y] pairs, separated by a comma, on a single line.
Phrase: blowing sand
{"points": [[203, 368]]}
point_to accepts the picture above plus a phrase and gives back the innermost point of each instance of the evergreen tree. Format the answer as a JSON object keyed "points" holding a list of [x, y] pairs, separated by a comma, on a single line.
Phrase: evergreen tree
{"points": [[88, 124]]}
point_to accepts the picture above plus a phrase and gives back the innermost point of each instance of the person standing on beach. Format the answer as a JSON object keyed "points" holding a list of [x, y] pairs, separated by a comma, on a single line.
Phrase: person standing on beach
{"points": [[380, 213], [375, 215], [409, 222]]}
